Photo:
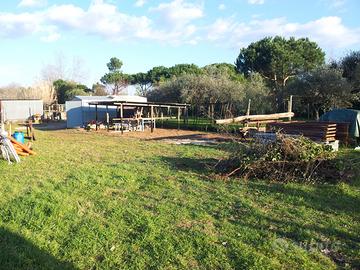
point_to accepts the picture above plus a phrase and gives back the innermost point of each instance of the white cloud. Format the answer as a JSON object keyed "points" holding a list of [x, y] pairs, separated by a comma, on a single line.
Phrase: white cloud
{"points": [[329, 32], [99, 19], [178, 13], [177, 22], [256, 2], [32, 3], [221, 7], [337, 3], [140, 3]]}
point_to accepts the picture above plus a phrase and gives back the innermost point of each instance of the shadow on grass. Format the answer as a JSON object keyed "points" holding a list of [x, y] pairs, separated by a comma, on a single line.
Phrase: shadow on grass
{"points": [[18, 253], [51, 126], [323, 197], [202, 166], [298, 226], [198, 136], [301, 224]]}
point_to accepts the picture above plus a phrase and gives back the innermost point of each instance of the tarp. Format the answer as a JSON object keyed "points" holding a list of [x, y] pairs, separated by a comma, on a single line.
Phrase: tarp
{"points": [[345, 115]]}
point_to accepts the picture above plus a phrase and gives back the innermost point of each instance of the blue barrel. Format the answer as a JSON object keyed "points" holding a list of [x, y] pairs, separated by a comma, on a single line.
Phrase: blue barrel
{"points": [[19, 136]]}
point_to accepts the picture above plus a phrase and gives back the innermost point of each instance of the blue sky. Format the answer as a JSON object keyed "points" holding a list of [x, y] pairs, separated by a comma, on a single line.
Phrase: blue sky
{"points": [[81, 36]]}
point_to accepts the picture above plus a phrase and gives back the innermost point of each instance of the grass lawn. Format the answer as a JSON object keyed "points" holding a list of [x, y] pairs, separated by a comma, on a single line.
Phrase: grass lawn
{"points": [[94, 201]]}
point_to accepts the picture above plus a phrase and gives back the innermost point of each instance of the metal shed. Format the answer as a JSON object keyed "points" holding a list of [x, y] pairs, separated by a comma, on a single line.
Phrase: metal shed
{"points": [[20, 109]]}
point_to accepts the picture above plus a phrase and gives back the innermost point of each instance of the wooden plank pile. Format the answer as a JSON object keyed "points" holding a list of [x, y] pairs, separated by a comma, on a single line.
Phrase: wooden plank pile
{"points": [[342, 132], [10, 149], [21, 149], [317, 131]]}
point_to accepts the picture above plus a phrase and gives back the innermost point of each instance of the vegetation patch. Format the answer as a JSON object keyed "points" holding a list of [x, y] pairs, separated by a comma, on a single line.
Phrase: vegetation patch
{"points": [[285, 159]]}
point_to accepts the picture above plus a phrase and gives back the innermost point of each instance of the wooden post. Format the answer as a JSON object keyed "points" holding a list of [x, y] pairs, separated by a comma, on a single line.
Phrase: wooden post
{"points": [[2, 127], [248, 107], [121, 118], [162, 119], [108, 121], [96, 117], [290, 105], [107, 118], [178, 117], [152, 118], [184, 115], [308, 111]]}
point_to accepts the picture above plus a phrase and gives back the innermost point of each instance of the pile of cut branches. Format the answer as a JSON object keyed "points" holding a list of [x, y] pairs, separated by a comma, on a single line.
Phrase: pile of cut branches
{"points": [[286, 159]]}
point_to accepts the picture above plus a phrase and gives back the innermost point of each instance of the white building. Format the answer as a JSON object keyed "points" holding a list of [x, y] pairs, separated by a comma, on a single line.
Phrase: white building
{"points": [[79, 112]]}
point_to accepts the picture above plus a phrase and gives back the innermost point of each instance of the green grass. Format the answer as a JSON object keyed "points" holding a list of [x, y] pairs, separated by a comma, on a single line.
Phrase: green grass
{"points": [[92, 201]]}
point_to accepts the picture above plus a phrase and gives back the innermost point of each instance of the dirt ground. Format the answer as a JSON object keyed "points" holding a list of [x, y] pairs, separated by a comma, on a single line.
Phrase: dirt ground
{"points": [[174, 136]]}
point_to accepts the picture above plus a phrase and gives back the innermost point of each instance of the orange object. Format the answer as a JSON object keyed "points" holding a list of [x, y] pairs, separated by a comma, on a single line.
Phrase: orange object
{"points": [[21, 146]]}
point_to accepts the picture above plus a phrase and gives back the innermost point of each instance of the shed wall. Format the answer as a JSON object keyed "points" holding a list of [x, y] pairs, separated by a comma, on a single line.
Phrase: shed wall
{"points": [[19, 110]]}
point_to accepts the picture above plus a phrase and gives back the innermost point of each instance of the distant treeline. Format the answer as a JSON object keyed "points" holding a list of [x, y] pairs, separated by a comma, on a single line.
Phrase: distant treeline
{"points": [[267, 72]]}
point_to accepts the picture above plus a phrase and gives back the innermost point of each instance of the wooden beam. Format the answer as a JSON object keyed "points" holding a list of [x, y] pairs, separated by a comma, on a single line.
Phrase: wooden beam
{"points": [[259, 117], [121, 118], [96, 117], [290, 105], [178, 117], [152, 118], [248, 107]]}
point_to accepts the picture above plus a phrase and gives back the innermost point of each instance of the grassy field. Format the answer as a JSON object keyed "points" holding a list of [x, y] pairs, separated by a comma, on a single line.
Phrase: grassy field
{"points": [[93, 201]]}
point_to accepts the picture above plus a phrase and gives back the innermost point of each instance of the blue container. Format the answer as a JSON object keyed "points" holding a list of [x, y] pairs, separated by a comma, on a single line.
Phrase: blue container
{"points": [[19, 136]]}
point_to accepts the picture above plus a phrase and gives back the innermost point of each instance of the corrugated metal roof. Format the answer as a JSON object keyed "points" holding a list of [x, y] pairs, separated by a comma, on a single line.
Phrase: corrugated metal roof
{"points": [[110, 98]]}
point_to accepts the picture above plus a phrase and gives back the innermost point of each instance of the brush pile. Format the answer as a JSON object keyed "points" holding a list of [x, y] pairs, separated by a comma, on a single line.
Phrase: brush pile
{"points": [[285, 159]]}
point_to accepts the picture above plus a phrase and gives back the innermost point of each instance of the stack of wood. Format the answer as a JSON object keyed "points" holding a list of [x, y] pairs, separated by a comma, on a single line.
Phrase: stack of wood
{"points": [[21, 149], [317, 131], [342, 132]]}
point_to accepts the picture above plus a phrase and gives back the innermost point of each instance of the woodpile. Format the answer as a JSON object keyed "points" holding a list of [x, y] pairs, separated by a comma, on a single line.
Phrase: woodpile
{"points": [[21, 149], [317, 131], [10, 149], [342, 132]]}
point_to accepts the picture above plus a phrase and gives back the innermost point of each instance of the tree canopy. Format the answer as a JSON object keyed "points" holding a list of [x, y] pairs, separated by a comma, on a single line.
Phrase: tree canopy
{"points": [[67, 90], [115, 78], [277, 59], [351, 69], [322, 89]]}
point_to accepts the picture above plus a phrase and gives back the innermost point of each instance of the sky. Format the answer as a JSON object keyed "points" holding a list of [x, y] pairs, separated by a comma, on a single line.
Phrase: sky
{"points": [[82, 35]]}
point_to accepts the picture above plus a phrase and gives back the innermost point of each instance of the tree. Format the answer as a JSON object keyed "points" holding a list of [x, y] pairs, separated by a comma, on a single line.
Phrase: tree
{"points": [[183, 69], [278, 59], [322, 89], [204, 91], [99, 89], [116, 79], [160, 74], [143, 82], [351, 69], [224, 68], [67, 90], [259, 93]]}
